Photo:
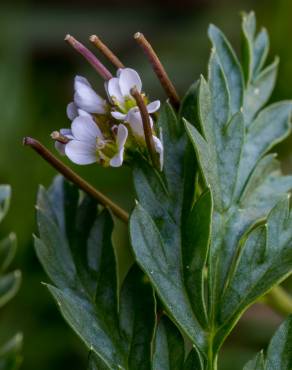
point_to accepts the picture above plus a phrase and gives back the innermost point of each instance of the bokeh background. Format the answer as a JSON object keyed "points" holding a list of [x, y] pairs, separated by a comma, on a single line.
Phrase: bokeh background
{"points": [[36, 83]]}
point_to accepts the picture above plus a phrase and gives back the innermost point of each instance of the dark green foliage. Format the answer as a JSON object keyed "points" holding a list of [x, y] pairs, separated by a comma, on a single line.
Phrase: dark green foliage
{"points": [[279, 352], [76, 251], [10, 358], [220, 254], [212, 232]]}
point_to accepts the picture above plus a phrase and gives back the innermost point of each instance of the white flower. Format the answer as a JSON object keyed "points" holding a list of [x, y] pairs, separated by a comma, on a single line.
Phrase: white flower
{"points": [[119, 92], [87, 144], [86, 100]]}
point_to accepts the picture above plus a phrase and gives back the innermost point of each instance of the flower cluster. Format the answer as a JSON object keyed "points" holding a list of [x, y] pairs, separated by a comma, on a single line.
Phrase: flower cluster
{"points": [[107, 130]]}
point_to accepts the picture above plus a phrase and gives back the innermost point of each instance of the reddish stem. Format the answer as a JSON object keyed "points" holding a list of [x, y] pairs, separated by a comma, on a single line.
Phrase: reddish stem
{"points": [[90, 57], [76, 179]]}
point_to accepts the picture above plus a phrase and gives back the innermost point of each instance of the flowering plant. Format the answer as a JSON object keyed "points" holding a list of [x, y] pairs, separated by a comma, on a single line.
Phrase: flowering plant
{"points": [[211, 229]]}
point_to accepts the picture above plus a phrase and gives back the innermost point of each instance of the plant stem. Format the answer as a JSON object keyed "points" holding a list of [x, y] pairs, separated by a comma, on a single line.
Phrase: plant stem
{"points": [[76, 179], [57, 136], [106, 51], [146, 126], [159, 70], [90, 57], [279, 300]]}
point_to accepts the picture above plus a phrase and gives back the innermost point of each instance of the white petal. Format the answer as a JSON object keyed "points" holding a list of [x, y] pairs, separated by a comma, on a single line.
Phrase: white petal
{"points": [[159, 149], [81, 152], [153, 107], [83, 113], [122, 136], [119, 71], [86, 98], [119, 116], [117, 160], [60, 147], [71, 111], [85, 129], [67, 132], [135, 121], [129, 78], [113, 90], [80, 80]]}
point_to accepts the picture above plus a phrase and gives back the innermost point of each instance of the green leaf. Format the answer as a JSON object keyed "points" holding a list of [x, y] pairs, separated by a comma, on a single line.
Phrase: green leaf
{"points": [[193, 361], [255, 47], [232, 258], [116, 326], [95, 363], [279, 355], [10, 358], [188, 107], [7, 251], [259, 82], [257, 363], [245, 185], [230, 66], [9, 286], [158, 224], [195, 250], [168, 347], [260, 90], [5, 194]]}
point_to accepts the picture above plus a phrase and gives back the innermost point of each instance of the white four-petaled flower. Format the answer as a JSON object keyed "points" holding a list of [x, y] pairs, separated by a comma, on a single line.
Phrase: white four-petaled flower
{"points": [[87, 144], [119, 92], [86, 100]]}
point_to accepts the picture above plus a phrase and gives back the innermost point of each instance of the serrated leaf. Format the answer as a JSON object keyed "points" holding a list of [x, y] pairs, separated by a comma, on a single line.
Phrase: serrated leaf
{"points": [[279, 354], [259, 82], [255, 47], [84, 318], [259, 91], [246, 193], [160, 264], [230, 66], [245, 186], [119, 334], [157, 225]]}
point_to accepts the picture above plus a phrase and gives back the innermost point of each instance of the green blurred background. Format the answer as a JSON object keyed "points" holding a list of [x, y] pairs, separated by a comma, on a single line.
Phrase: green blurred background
{"points": [[36, 83]]}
